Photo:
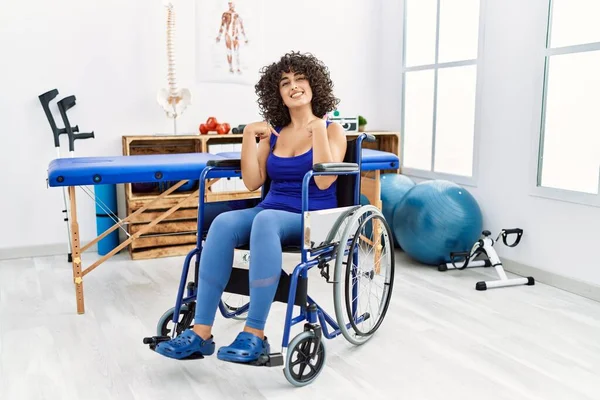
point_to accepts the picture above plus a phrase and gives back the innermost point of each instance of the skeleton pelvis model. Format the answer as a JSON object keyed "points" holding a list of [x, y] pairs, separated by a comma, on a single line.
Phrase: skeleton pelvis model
{"points": [[173, 100]]}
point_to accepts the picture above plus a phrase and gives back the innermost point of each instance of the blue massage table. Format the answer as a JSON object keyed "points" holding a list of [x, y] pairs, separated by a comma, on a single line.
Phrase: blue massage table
{"points": [[165, 167], [85, 171]]}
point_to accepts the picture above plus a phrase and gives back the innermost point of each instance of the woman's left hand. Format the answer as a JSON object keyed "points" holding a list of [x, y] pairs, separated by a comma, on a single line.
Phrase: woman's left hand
{"points": [[317, 124]]}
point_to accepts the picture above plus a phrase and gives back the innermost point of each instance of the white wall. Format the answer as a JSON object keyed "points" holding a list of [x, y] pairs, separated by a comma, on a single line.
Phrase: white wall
{"points": [[560, 237], [112, 56]]}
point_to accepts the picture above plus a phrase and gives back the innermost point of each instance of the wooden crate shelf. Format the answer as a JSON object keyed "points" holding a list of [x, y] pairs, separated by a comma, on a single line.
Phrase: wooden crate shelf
{"points": [[162, 251], [179, 215], [155, 144]]}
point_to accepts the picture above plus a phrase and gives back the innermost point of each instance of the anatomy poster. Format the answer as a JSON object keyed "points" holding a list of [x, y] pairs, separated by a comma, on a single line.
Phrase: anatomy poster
{"points": [[228, 41]]}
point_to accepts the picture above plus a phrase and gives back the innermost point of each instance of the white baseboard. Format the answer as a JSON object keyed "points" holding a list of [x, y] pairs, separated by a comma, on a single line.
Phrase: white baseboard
{"points": [[584, 289], [45, 250]]}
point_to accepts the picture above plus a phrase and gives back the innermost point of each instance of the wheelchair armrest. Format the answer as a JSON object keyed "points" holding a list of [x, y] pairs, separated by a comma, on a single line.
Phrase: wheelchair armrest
{"points": [[227, 163], [369, 137], [335, 167]]}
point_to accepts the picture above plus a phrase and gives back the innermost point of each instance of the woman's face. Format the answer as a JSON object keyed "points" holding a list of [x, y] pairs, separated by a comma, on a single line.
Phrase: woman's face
{"points": [[294, 90]]}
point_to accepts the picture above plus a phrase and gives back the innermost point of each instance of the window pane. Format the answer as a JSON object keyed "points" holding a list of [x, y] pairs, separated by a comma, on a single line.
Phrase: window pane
{"points": [[418, 119], [571, 152], [575, 22], [420, 32], [455, 120], [459, 30]]}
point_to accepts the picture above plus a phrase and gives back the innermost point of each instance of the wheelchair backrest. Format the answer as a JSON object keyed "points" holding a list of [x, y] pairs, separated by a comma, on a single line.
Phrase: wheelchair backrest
{"points": [[346, 184]]}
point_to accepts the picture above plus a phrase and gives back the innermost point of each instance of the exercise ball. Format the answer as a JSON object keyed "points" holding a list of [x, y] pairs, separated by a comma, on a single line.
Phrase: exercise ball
{"points": [[393, 189], [436, 218], [364, 200]]}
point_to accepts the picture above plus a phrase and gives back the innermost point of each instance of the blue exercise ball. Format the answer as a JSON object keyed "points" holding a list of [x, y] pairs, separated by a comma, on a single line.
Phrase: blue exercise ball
{"points": [[364, 200], [436, 218], [393, 189]]}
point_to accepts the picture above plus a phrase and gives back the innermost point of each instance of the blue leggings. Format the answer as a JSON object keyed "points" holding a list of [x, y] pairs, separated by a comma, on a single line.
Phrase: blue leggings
{"points": [[266, 231]]}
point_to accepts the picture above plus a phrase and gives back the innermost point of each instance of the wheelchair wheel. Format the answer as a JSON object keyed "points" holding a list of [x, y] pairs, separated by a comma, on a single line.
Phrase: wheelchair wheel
{"points": [[364, 274], [340, 224], [164, 326], [301, 368]]}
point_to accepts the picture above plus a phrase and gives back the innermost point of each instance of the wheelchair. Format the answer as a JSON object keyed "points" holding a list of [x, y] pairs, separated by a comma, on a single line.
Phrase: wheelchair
{"points": [[359, 245]]}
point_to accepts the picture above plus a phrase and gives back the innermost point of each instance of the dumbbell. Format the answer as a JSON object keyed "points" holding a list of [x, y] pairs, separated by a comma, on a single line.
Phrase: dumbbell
{"points": [[238, 129]]}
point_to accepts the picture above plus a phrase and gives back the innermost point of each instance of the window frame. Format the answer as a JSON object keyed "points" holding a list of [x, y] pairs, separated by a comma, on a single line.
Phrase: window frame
{"points": [[479, 63], [537, 190]]}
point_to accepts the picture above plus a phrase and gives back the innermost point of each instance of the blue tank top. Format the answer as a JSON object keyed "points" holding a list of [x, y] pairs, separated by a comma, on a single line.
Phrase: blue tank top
{"points": [[286, 175]]}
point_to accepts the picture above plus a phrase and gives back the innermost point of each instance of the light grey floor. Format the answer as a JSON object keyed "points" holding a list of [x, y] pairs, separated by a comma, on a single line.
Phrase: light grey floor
{"points": [[441, 340]]}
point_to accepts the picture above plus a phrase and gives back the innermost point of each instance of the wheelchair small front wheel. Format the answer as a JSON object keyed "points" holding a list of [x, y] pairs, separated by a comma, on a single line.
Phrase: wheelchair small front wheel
{"points": [[364, 275], [164, 326], [304, 361]]}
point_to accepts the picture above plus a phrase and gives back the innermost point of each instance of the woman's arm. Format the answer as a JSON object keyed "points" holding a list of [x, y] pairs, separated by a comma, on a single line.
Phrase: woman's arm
{"points": [[254, 159], [329, 145]]}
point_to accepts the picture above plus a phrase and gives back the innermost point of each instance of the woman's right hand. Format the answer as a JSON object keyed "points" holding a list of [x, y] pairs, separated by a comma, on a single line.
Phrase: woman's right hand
{"points": [[254, 158], [261, 130]]}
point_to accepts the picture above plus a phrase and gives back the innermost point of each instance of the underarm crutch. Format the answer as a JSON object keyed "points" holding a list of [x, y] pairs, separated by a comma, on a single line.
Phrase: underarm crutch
{"points": [[483, 255], [72, 133]]}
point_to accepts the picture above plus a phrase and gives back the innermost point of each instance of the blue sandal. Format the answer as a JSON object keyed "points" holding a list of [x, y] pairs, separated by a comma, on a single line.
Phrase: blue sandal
{"points": [[246, 348], [186, 346]]}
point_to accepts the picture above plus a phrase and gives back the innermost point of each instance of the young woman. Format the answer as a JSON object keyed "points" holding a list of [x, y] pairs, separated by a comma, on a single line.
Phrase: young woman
{"points": [[294, 96]]}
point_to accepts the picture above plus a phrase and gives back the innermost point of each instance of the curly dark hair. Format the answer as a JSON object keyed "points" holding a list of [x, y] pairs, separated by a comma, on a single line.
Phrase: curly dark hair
{"points": [[270, 102]]}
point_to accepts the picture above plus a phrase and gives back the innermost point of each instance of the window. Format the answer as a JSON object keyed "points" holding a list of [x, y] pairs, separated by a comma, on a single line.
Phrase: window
{"points": [[441, 42], [569, 146]]}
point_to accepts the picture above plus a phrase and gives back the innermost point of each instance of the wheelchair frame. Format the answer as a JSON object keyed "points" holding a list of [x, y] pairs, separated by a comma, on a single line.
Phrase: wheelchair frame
{"points": [[292, 289]]}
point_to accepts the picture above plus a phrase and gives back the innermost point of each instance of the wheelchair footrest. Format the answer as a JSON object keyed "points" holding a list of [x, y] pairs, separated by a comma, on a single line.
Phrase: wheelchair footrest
{"points": [[152, 341], [272, 360]]}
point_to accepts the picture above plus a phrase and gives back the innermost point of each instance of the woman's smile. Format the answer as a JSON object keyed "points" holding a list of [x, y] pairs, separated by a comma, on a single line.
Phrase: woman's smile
{"points": [[296, 94]]}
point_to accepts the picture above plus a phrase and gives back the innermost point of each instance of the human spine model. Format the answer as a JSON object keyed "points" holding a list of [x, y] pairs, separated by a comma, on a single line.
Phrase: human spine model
{"points": [[174, 101]]}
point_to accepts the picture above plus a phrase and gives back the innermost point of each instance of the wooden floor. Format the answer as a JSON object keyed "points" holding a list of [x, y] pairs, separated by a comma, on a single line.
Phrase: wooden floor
{"points": [[440, 340]]}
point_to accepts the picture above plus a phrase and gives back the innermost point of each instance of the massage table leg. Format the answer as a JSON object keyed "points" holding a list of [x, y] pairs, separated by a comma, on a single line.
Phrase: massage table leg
{"points": [[143, 230], [77, 277], [371, 187], [78, 274]]}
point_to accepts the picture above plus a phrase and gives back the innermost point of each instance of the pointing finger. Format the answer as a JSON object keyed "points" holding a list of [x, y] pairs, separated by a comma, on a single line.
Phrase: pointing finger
{"points": [[273, 131]]}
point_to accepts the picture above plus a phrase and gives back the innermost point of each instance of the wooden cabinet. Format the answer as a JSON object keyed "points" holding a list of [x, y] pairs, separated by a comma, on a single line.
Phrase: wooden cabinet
{"points": [[176, 235]]}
